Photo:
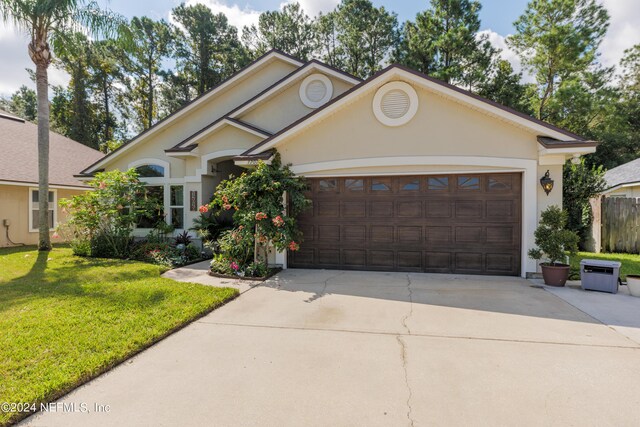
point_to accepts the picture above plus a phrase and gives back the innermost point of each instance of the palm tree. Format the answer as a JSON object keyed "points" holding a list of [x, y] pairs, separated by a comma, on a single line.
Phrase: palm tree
{"points": [[51, 21]]}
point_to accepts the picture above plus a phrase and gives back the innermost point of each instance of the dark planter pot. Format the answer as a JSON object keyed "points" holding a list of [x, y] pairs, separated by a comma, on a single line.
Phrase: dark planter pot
{"points": [[555, 275]]}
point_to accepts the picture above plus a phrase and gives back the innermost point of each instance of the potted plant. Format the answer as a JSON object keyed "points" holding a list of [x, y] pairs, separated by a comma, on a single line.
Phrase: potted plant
{"points": [[554, 242], [633, 283]]}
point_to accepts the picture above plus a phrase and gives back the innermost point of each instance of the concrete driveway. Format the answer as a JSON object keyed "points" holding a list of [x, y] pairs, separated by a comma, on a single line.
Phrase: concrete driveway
{"points": [[330, 348]]}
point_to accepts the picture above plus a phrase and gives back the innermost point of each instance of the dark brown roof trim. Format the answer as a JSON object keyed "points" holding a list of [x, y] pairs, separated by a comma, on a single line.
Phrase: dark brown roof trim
{"points": [[424, 76], [260, 156], [249, 126], [251, 64], [181, 149], [261, 93], [10, 117], [548, 142], [53, 184]]}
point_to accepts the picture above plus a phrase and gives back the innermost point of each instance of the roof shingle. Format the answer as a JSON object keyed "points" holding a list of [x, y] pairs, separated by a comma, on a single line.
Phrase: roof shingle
{"points": [[19, 154]]}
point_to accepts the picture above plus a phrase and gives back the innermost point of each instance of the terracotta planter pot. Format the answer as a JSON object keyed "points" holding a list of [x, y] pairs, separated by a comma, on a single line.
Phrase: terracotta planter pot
{"points": [[555, 275], [633, 283]]}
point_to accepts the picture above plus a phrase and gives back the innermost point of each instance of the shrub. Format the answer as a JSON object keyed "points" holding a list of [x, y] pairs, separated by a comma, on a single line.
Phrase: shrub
{"points": [[256, 200], [106, 216], [552, 238]]}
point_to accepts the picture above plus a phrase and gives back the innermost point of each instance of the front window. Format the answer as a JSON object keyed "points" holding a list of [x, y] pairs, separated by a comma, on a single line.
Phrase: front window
{"points": [[150, 171], [155, 195], [176, 206], [34, 210]]}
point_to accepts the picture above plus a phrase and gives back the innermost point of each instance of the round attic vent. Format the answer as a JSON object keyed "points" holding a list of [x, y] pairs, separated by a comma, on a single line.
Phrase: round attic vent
{"points": [[395, 103], [316, 90]]}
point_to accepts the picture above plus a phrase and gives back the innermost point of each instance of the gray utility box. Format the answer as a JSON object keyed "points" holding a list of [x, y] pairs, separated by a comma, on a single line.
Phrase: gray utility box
{"points": [[599, 275]]}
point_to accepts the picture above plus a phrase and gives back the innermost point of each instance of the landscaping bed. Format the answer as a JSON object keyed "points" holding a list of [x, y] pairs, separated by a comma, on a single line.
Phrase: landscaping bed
{"points": [[272, 272], [66, 319]]}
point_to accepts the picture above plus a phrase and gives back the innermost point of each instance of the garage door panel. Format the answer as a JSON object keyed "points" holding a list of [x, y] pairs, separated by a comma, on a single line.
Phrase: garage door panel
{"points": [[409, 234], [381, 259], [409, 209], [381, 234], [470, 262], [468, 209], [410, 260], [468, 223], [381, 209], [500, 263], [438, 262], [354, 209], [438, 209], [354, 233], [354, 258], [439, 235]]}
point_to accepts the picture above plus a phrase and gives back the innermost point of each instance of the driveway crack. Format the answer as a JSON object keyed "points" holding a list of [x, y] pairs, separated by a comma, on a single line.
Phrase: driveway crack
{"points": [[324, 288], [403, 358], [410, 313]]}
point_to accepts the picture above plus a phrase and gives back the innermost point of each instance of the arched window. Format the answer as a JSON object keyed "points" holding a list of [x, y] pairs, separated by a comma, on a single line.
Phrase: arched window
{"points": [[150, 171]]}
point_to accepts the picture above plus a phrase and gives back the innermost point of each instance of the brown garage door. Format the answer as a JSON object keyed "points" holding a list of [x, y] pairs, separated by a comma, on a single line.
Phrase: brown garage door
{"points": [[443, 224]]}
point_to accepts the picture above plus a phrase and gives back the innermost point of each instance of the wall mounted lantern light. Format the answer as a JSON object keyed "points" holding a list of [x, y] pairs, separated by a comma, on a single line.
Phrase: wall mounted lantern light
{"points": [[547, 183]]}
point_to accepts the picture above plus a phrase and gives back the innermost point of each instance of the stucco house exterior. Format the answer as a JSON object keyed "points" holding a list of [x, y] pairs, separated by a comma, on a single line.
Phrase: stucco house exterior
{"points": [[407, 173], [623, 180], [19, 178]]}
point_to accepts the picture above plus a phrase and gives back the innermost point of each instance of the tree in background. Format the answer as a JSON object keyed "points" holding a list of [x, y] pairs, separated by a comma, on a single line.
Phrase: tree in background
{"points": [[76, 119], [147, 43], [503, 86], [557, 41], [443, 42], [580, 183], [207, 48], [327, 44], [366, 35], [50, 21], [23, 103], [289, 30]]}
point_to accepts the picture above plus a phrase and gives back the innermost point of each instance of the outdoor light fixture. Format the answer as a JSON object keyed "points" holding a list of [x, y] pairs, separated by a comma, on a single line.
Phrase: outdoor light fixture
{"points": [[547, 183]]}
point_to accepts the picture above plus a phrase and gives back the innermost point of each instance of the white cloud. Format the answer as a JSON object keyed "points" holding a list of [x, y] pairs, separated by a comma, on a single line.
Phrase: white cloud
{"points": [[313, 7], [500, 42], [238, 17], [15, 60], [624, 30]]}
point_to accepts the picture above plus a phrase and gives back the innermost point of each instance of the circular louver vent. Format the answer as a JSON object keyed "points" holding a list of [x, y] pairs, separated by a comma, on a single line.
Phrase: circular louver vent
{"points": [[316, 90], [395, 103]]}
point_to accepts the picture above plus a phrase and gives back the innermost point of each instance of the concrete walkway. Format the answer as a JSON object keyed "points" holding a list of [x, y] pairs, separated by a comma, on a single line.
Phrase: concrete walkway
{"points": [[199, 273], [330, 348]]}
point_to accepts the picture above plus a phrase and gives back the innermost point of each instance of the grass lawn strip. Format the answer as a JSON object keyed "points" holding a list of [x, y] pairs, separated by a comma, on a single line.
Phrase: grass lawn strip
{"points": [[66, 319]]}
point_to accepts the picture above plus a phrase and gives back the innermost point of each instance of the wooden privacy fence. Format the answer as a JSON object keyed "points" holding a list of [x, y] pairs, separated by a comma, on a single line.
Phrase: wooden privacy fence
{"points": [[620, 225]]}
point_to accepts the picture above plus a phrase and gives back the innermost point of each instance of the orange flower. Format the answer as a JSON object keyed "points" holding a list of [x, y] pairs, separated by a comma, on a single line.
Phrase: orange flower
{"points": [[293, 246], [226, 206], [260, 216], [204, 209], [278, 221], [102, 185]]}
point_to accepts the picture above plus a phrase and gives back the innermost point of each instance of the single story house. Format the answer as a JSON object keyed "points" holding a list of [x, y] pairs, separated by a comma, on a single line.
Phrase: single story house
{"points": [[19, 178], [407, 173], [623, 180]]}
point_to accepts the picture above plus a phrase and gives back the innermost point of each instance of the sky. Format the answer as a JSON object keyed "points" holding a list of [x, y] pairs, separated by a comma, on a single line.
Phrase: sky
{"points": [[497, 21]]}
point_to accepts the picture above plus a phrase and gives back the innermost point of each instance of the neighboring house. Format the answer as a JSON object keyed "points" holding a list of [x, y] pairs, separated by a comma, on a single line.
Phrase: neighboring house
{"points": [[19, 178], [623, 180], [407, 173], [613, 228]]}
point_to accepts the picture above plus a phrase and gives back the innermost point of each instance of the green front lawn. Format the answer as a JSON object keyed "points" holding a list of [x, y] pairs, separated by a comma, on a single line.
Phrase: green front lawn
{"points": [[630, 262], [65, 319]]}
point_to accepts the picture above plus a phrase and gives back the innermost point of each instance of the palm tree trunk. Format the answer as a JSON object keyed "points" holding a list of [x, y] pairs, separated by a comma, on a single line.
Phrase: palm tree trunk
{"points": [[42, 88]]}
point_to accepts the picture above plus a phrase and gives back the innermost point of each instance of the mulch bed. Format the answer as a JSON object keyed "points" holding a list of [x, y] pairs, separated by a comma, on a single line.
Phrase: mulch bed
{"points": [[272, 272]]}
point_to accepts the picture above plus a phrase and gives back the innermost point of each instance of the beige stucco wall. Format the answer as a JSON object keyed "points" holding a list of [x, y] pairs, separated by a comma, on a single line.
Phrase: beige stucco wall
{"points": [[286, 107], [441, 127], [199, 117], [226, 138], [14, 205], [629, 192]]}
